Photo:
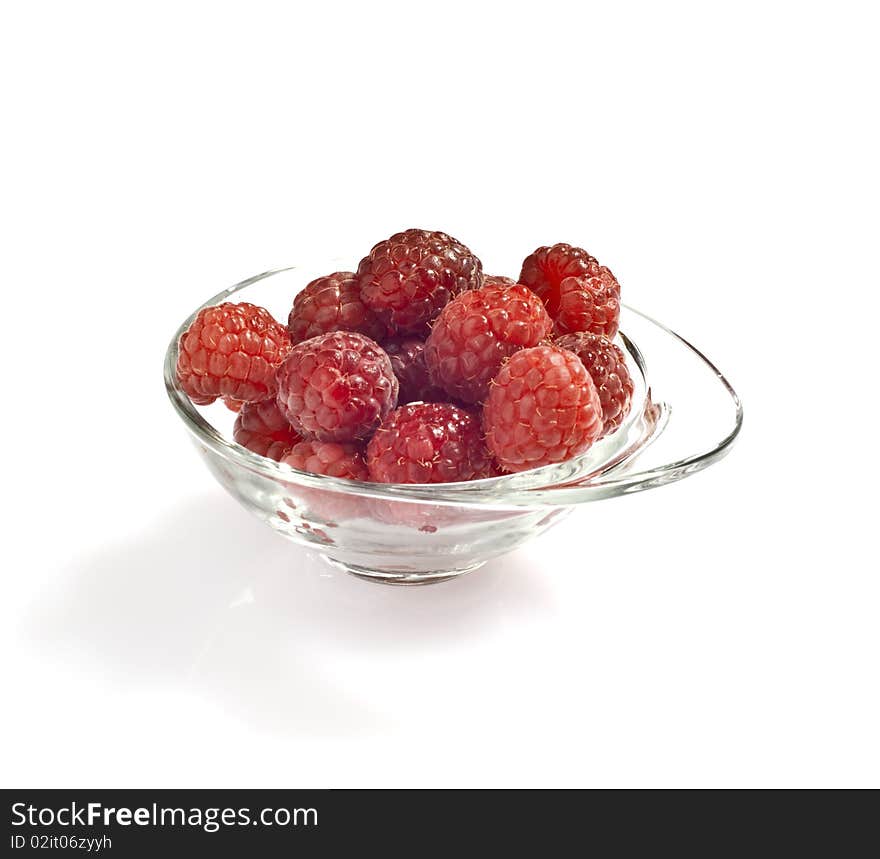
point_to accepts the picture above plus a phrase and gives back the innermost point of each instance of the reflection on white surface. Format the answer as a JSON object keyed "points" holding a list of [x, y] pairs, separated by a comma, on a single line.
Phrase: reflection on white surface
{"points": [[210, 598]]}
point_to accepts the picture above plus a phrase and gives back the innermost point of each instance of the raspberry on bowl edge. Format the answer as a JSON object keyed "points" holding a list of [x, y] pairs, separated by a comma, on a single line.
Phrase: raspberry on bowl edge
{"points": [[542, 408], [232, 351], [333, 459]]}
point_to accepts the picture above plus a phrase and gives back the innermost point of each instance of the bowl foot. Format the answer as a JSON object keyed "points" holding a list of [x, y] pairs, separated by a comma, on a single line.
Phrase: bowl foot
{"points": [[399, 577]]}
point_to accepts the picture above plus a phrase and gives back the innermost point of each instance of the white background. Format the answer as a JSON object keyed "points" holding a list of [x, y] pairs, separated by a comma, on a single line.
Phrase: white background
{"points": [[719, 632]]}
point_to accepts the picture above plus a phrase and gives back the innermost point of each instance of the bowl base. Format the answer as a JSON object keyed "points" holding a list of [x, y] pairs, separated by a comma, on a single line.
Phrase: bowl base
{"points": [[398, 577]]}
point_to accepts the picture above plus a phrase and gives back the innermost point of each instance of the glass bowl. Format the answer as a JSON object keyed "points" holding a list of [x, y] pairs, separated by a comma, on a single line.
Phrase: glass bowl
{"points": [[685, 416]]}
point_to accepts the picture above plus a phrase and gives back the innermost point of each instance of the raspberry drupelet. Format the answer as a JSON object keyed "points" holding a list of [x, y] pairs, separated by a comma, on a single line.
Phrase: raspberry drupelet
{"points": [[336, 387], [408, 278], [606, 365], [429, 443], [580, 294], [476, 331], [332, 303], [231, 350], [542, 408], [261, 428]]}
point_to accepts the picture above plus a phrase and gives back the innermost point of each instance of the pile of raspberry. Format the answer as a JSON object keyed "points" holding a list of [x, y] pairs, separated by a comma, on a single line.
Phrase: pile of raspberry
{"points": [[420, 368]]}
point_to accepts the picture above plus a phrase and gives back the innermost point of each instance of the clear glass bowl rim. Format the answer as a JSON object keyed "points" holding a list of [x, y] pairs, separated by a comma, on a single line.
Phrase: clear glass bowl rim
{"points": [[492, 491]]}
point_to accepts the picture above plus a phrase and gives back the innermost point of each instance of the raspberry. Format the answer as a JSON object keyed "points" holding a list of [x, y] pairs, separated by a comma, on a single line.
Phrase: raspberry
{"points": [[232, 405], [547, 267], [579, 294], [428, 443], [231, 350], [336, 387], [408, 360], [542, 408], [607, 367], [589, 304], [332, 303], [330, 458], [476, 331], [261, 428], [410, 277]]}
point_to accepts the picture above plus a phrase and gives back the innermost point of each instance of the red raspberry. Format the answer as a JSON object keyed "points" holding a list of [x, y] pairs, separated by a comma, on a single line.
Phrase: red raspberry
{"points": [[232, 405], [408, 360], [428, 443], [589, 304], [542, 408], [231, 350], [547, 267], [330, 458], [579, 294], [336, 387], [332, 303], [476, 331], [411, 276], [606, 365], [262, 428]]}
